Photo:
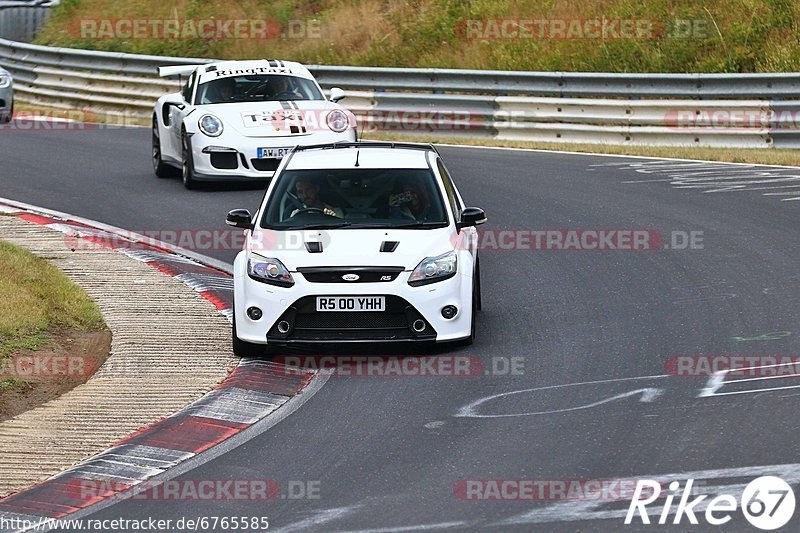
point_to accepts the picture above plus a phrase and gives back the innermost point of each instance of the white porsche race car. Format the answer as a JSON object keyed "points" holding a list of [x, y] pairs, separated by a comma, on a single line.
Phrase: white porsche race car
{"points": [[236, 120]]}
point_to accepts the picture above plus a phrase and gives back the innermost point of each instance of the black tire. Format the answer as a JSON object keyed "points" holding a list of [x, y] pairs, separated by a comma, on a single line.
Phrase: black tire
{"points": [[187, 166], [242, 348], [161, 169]]}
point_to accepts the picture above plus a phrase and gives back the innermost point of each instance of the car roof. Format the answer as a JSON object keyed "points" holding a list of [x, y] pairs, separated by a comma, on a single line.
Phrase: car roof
{"points": [[225, 69], [368, 158]]}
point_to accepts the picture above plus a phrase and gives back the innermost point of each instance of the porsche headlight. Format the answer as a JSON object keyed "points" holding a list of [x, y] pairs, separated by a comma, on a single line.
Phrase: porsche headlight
{"points": [[5, 80], [210, 125], [338, 121], [433, 269], [269, 270]]}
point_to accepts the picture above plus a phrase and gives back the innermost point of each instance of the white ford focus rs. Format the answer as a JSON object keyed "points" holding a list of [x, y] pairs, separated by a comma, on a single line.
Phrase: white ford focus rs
{"points": [[236, 120], [357, 242]]}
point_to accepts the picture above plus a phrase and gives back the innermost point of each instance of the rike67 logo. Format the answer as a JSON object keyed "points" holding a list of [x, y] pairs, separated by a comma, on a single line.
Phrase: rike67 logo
{"points": [[766, 502]]}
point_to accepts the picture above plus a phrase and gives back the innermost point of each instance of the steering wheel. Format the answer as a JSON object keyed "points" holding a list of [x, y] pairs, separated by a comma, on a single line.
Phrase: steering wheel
{"points": [[285, 95], [252, 90], [309, 210]]}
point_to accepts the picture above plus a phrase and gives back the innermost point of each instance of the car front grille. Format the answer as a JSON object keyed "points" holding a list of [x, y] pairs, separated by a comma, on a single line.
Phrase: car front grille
{"points": [[336, 274]]}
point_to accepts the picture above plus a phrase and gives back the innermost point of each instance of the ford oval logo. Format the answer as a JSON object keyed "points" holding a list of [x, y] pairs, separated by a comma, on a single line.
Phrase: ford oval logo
{"points": [[350, 277]]}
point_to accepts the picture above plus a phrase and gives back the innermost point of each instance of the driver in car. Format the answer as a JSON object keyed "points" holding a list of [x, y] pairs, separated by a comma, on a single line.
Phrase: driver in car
{"points": [[283, 89], [308, 193]]}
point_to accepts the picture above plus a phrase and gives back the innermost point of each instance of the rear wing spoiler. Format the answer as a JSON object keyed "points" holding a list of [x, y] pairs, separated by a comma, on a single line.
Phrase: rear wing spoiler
{"points": [[179, 70]]}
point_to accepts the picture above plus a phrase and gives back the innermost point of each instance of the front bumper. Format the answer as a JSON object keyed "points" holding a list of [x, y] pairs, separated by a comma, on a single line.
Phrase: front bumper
{"points": [[399, 322], [296, 305], [233, 157]]}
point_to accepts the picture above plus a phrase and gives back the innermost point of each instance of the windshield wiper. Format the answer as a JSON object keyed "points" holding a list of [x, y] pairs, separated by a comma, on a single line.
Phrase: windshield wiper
{"points": [[417, 224], [319, 226], [414, 224]]}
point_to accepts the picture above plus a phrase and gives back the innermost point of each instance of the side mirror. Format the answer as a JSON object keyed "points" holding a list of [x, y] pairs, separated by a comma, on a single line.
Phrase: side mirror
{"points": [[472, 216], [165, 110], [179, 105], [337, 94], [240, 218]]}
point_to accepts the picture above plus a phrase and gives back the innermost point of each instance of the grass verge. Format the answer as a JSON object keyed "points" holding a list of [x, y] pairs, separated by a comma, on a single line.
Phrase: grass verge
{"points": [[36, 299], [679, 35]]}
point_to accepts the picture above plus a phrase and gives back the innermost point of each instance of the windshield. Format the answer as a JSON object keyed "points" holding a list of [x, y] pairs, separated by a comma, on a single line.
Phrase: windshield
{"points": [[257, 88], [355, 198]]}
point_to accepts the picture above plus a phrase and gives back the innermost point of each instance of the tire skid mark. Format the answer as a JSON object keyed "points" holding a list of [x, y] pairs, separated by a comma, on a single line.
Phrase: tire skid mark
{"points": [[709, 177]]}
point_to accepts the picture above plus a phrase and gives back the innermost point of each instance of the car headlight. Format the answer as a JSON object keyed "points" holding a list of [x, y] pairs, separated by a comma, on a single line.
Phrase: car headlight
{"points": [[5, 80], [338, 121], [433, 269], [269, 270], [210, 125]]}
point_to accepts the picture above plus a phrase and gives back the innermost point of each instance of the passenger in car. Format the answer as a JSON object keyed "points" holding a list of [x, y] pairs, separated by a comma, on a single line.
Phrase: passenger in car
{"points": [[227, 90], [308, 193], [411, 203], [219, 91]]}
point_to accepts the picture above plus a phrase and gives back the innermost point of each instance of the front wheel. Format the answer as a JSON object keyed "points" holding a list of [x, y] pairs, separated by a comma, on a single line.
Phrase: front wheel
{"points": [[187, 166], [161, 169]]}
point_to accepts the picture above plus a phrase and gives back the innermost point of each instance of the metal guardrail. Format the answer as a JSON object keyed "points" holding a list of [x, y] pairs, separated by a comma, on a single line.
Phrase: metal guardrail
{"points": [[20, 20], [719, 110]]}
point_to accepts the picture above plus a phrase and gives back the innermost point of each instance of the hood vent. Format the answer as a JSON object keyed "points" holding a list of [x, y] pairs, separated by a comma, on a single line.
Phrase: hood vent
{"points": [[314, 247], [389, 246]]}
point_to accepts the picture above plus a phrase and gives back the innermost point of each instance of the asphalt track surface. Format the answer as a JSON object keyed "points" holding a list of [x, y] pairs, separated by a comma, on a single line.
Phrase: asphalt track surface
{"points": [[386, 453]]}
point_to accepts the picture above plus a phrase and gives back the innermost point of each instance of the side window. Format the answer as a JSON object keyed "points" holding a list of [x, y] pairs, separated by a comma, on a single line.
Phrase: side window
{"points": [[452, 197], [188, 89]]}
